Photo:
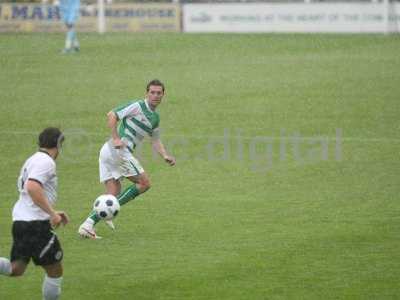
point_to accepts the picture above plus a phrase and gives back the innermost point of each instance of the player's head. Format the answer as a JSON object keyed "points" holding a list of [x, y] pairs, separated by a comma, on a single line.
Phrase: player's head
{"points": [[155, 82], [154, 92], [51, 138]]}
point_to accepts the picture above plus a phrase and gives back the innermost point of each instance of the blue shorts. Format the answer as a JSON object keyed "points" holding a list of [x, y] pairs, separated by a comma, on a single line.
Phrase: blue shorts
{"points": [[70, 11]]}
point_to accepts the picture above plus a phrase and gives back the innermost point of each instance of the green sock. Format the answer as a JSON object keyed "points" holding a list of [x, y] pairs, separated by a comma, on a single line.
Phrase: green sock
{"points": [[129, 194], [94, 217], [126, 196]]}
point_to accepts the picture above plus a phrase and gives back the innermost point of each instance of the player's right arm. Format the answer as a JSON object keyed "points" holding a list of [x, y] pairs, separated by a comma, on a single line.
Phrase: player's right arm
{"points": [[129, 109], [35, 190], [112, 122]]}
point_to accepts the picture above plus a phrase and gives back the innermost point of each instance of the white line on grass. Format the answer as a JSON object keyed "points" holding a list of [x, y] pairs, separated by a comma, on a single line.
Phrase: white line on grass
{"points": [[229, 137]]}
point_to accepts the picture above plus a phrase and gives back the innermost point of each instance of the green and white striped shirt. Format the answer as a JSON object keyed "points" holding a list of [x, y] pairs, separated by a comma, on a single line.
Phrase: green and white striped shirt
{"points": [[137, 121]]}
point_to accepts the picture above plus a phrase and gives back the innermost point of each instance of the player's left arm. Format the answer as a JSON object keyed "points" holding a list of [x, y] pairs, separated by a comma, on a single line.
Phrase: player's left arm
{"points": [[159, 147], [33, 185], [37, 194]]}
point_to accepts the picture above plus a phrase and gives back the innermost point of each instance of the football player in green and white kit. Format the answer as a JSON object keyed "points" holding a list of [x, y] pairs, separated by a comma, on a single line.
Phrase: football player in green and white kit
{"points": [[129, 124]]}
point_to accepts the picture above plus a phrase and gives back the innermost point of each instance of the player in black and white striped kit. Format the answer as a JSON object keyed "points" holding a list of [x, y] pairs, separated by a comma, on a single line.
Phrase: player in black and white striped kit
{"points": [[34, 218]]}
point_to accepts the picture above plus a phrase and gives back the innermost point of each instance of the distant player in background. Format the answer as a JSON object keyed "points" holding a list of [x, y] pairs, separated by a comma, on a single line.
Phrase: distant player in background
{"points": [[70, 14], [129, 124], [34, 218]]}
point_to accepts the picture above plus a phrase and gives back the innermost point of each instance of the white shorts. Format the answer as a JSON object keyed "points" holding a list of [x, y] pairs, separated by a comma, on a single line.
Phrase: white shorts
{"points": [[117, 163]]}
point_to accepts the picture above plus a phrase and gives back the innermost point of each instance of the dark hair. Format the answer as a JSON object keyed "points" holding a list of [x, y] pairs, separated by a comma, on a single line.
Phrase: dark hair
{"points": [[51, 137], [155, 82]]}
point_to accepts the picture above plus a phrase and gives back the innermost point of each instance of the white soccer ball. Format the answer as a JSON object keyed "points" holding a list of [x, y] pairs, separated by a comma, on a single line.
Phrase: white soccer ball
{"points": [[106, 207]]}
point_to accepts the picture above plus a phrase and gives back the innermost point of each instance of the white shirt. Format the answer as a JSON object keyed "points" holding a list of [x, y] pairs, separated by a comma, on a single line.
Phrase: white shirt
{"points": [[41, 168]]}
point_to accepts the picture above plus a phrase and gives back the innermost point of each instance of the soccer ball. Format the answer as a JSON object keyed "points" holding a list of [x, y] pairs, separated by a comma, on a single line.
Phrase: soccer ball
{"points": [[106, 207]]}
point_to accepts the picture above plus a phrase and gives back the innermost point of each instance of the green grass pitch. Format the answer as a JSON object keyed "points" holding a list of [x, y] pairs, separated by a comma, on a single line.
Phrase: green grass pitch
{"points": [[287, 181]]}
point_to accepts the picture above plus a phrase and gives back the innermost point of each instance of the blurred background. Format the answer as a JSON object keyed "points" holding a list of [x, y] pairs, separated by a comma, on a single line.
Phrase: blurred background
{"points": [[353, 16]]}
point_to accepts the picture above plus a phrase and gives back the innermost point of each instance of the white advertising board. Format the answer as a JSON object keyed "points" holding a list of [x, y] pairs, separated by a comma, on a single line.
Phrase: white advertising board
{"points": [[292, 17]]}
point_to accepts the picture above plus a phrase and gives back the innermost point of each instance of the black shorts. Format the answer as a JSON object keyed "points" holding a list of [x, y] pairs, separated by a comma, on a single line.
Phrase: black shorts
{"points": [[36, 240]]}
